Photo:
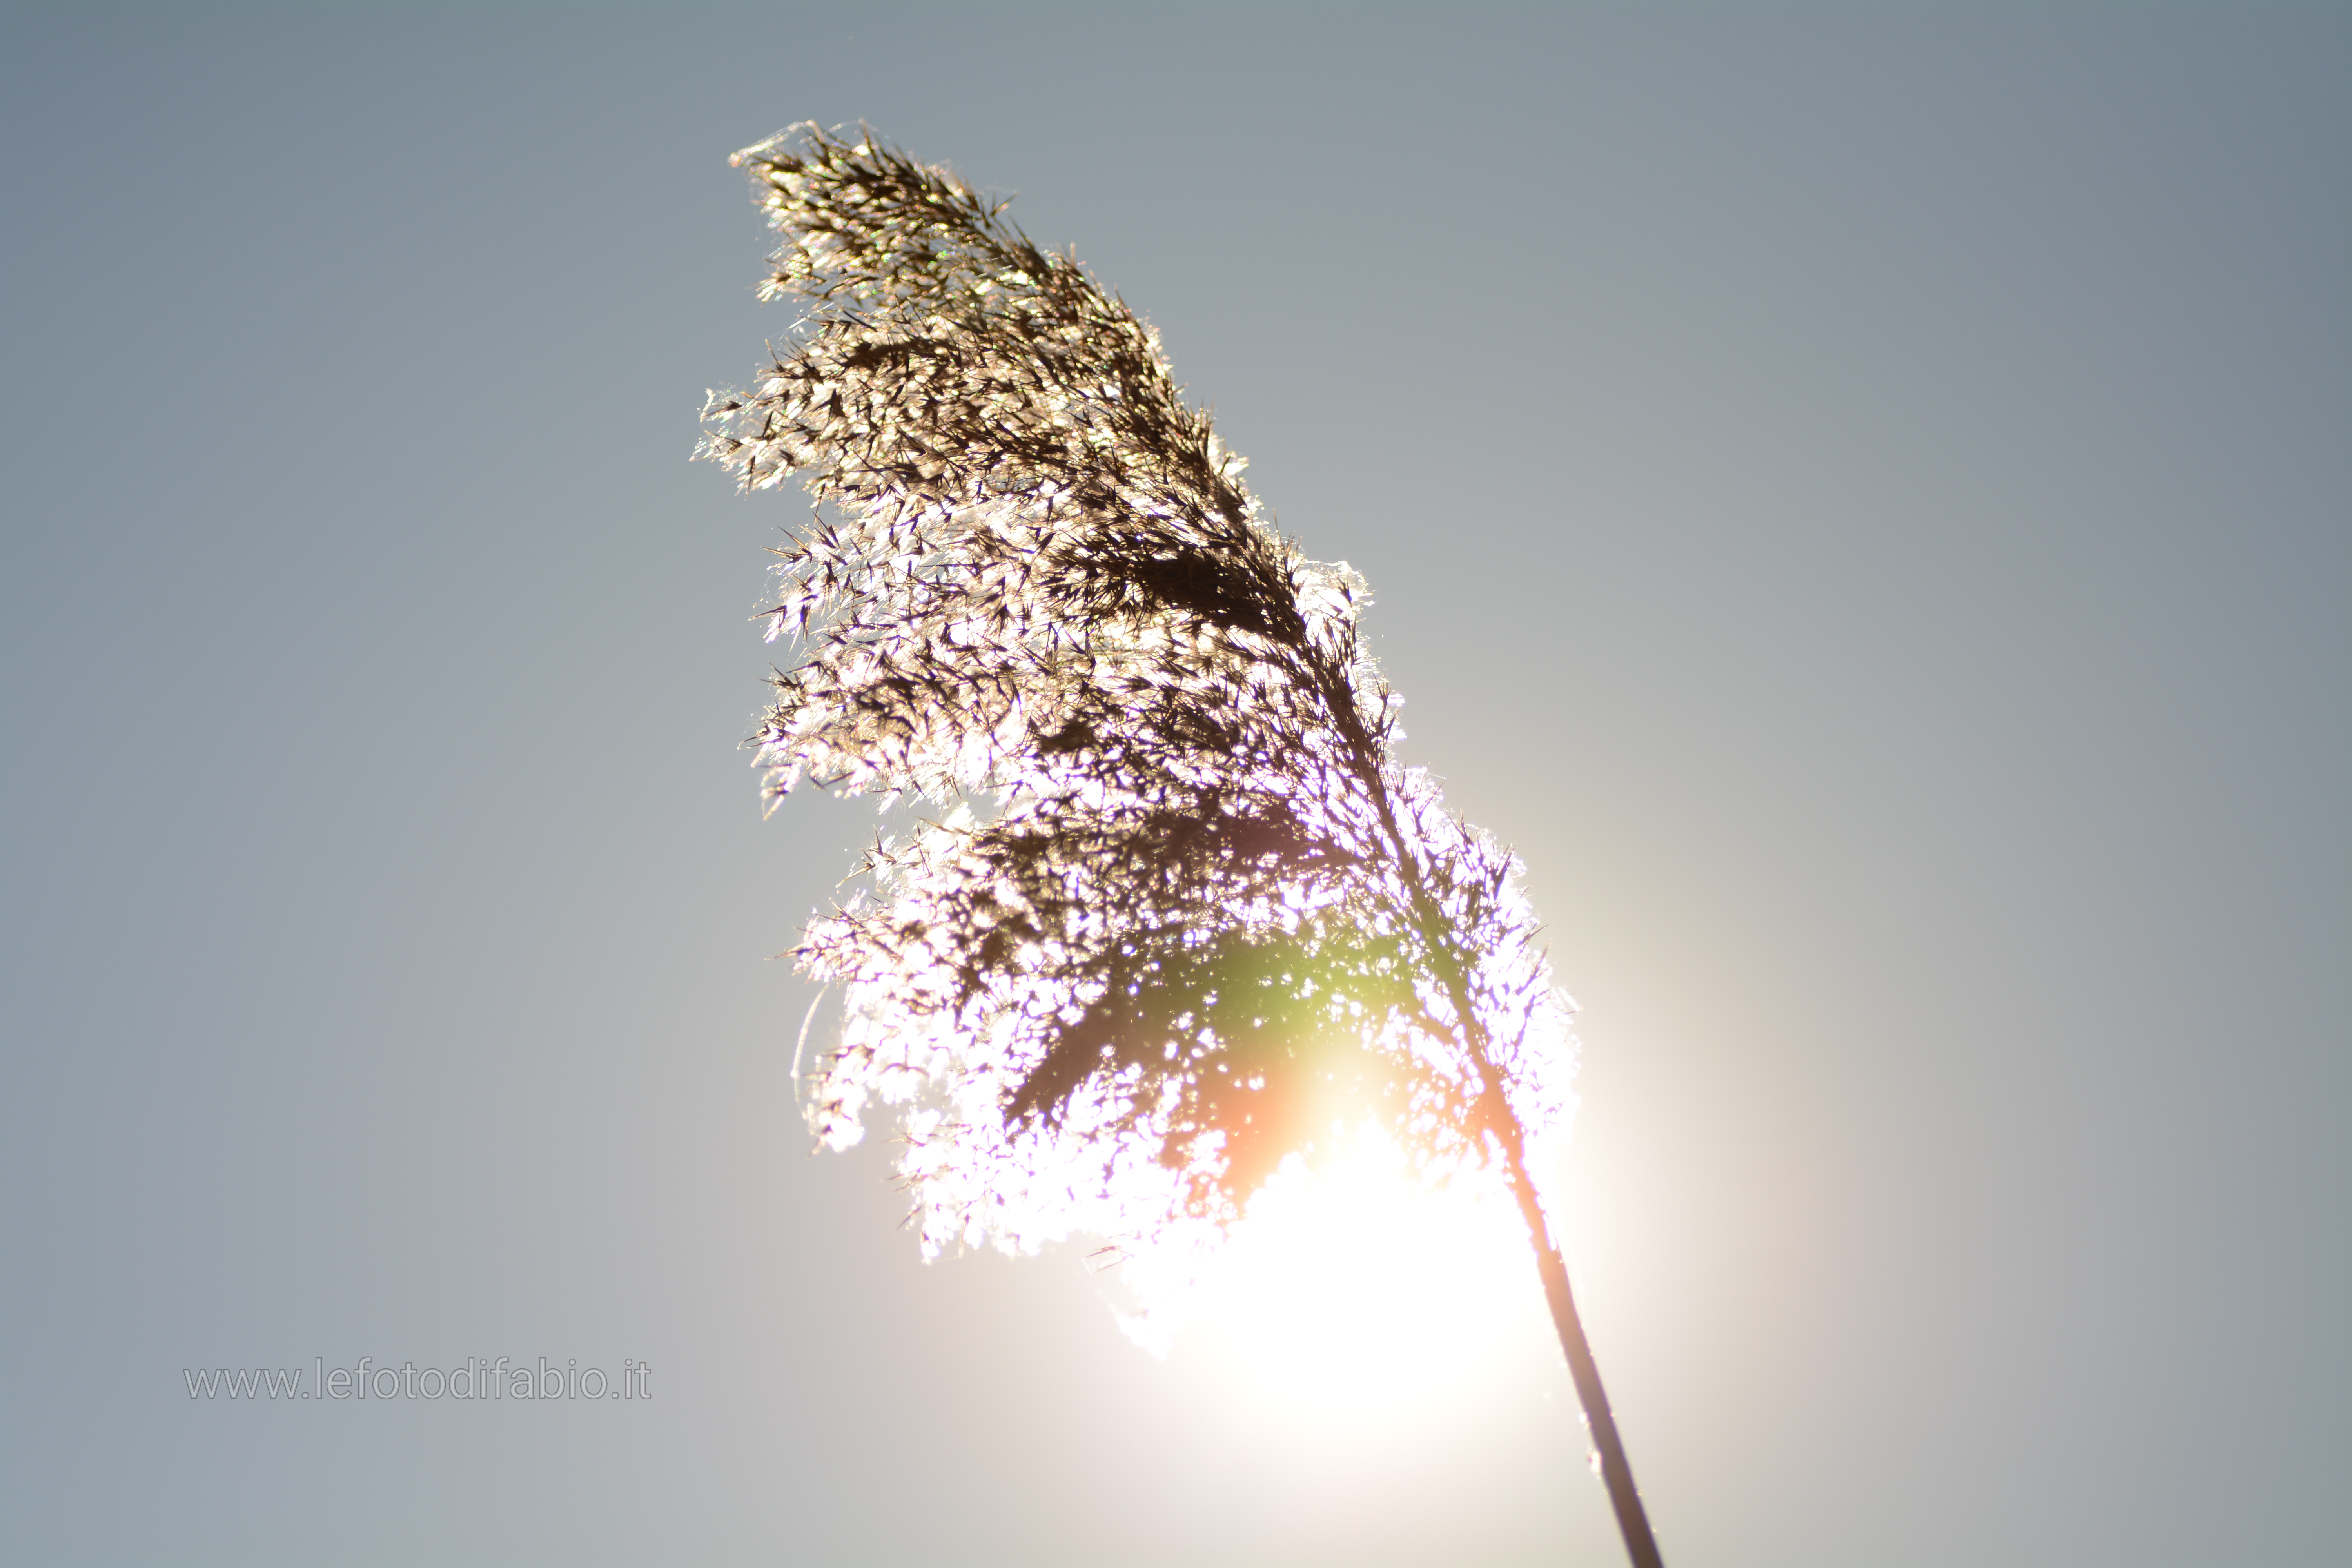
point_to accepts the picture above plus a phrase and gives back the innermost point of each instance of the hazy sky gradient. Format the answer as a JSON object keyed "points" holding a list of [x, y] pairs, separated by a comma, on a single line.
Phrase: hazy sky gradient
{"points": [[1859, 496]]}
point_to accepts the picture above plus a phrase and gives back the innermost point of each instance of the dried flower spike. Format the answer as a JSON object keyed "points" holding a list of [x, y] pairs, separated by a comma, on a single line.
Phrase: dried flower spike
{"points": [[1177, 912]]}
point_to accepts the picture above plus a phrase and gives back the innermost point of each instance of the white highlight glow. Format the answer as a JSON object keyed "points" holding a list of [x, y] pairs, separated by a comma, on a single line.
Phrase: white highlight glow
{"points": [[1356, 1292]]}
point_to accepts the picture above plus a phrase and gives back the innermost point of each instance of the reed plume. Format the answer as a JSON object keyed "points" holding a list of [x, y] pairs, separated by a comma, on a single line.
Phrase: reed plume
{"points": [[1170, 910]]}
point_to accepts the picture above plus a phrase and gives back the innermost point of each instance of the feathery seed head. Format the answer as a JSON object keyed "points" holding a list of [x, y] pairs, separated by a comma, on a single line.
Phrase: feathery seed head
{"points": [[1181, 914]]}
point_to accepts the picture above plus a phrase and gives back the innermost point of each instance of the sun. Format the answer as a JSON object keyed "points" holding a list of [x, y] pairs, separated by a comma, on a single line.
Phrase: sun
{"points": [[1353, 1291]]}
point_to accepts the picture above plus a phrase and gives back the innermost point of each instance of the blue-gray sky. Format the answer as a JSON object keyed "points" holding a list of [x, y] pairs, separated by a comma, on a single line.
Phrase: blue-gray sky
{"points": [[1859, 496]]}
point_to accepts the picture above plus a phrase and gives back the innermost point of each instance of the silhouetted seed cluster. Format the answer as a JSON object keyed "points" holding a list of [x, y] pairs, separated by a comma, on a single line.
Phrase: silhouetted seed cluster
{"points": [[1180, 913]]}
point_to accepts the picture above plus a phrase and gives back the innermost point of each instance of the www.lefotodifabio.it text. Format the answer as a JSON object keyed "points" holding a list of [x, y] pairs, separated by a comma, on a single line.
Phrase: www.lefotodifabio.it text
{"points": [[476, 1379]]}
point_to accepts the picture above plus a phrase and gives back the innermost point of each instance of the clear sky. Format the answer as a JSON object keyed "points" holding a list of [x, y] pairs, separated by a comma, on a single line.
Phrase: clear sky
{"points": [[1859, 496]]}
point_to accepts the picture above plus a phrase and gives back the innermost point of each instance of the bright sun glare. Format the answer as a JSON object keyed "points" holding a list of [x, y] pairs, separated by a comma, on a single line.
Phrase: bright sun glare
{"points": [[1353, 1291]]}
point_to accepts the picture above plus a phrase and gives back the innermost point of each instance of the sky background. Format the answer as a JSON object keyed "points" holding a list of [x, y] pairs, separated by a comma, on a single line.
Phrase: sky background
{"points": [[1858, 496]]}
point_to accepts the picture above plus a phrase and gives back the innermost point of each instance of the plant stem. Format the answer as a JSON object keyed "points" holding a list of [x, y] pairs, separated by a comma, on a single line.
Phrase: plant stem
{"points": [[1616, 1471], [1503, 1125]]}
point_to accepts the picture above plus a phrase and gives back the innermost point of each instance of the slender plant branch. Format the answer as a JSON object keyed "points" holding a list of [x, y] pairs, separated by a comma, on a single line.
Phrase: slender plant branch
{"points": [[1503, 1126]]}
